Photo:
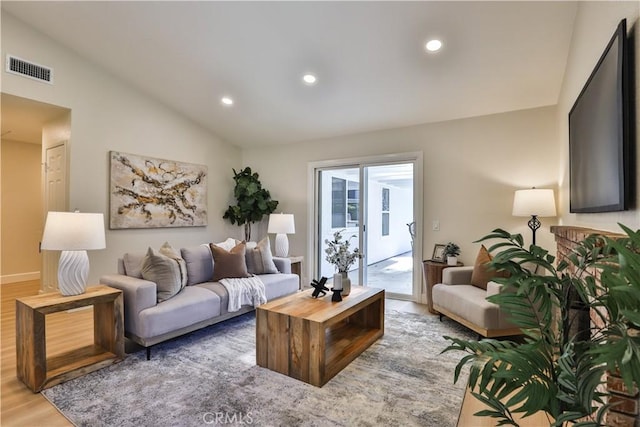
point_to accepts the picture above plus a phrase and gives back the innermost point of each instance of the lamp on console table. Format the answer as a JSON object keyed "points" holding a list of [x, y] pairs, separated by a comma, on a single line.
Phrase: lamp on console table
{"points": [[281, 224], [534, 202], [73, 233]]}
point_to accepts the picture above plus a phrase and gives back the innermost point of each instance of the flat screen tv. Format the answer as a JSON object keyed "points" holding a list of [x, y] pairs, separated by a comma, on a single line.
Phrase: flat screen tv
{"points": [[599, 134]]}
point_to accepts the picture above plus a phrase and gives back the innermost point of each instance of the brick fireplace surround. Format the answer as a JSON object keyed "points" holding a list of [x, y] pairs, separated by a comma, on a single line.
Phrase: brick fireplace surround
{"points": [[626, 412]]}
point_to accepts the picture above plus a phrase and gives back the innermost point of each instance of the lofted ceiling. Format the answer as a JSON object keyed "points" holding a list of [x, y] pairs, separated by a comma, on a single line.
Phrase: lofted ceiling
{"points": [[373, 71]]}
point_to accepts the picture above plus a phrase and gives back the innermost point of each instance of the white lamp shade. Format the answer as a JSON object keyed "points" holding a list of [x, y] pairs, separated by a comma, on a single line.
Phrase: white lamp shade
{"points": [[73, 231], [535, 201], [281, 224]]}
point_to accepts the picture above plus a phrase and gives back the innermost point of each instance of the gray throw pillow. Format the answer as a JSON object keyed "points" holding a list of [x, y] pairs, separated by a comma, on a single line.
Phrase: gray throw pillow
{"points": [[168, 251], [259, 258], [229, 264], [164, 272], [199, 264], [133, 264]]}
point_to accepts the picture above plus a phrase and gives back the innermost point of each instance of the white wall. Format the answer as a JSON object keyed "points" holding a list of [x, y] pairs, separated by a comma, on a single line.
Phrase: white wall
{"points": [[107, 114], [471, 169], [20, 191], [594, 25]]}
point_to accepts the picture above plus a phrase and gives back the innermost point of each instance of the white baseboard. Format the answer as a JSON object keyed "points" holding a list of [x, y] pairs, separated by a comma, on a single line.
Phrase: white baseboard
{"points": [[22, 277]]}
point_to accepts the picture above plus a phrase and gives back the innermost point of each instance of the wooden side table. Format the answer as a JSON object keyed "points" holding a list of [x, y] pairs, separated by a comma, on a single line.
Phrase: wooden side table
{"points": [[32, 365], [296, 268], [433, 275]]}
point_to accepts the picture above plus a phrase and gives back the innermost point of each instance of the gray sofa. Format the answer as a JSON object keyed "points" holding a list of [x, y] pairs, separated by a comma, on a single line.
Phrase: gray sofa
{"points": [[201, 303], [457, 299]]}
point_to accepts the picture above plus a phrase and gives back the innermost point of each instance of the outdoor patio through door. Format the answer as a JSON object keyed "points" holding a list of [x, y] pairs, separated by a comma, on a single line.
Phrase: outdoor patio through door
{"points": [[372, 205]]}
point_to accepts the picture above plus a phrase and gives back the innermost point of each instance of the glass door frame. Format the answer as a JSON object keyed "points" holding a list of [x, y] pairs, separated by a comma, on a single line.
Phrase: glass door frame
{"points": [[313, 212]]}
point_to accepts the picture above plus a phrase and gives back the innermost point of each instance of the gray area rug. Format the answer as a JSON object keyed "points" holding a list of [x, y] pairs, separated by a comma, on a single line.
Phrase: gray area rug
{"points": [[210, 378]]}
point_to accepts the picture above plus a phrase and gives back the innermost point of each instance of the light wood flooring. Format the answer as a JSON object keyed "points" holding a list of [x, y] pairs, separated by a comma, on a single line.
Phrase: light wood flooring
{"points": [[20, 407]]}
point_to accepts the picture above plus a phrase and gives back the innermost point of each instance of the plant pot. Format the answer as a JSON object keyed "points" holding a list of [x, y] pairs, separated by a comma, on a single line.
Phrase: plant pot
{"points": [[452, 260]]}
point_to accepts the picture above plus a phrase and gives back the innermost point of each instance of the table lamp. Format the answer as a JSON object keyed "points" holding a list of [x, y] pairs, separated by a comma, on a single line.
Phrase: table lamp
{"points": [[281, 224], [534, 202], [73, 233]]}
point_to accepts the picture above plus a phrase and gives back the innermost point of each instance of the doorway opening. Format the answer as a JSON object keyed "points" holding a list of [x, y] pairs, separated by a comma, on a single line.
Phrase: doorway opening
{"points": [[30, 130], [373, 203]]}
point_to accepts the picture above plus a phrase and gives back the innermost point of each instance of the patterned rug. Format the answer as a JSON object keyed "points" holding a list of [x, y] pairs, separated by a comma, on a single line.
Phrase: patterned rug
{"points": [[210, 377]]}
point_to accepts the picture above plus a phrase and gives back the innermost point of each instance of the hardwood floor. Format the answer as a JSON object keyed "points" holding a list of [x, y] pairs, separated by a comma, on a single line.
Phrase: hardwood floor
{"points": [[20, 407]]}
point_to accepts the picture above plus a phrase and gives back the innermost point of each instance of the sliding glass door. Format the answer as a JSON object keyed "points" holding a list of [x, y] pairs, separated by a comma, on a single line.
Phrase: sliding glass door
{"points": [[372, 205], [389, 222]]}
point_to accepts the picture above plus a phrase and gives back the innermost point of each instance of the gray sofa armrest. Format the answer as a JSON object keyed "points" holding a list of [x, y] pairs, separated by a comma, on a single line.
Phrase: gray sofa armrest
{"points": [[138, 294], [282, 264], [457, 275]]}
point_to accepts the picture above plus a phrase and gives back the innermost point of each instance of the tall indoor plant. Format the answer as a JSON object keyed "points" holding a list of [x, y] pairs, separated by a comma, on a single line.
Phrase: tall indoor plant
{"points": [[555, 368], [254, 202]]}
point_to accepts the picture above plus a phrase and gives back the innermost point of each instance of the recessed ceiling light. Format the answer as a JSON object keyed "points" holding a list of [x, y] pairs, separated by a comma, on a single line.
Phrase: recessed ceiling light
{"points": [[226, 100], [309, 79], [433, 45]]}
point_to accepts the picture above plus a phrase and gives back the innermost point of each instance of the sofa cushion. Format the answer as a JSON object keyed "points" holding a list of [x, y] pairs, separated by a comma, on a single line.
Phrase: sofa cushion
{"points": [[229, 264], [275, 286], [190, 306], [133, 264], [199, 264], [167, 250], [164, 272], [259, 258], [482, 271]]}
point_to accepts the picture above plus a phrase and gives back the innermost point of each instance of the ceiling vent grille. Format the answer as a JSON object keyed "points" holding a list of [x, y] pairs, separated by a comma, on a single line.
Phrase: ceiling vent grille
{"points": [[28, 69]]}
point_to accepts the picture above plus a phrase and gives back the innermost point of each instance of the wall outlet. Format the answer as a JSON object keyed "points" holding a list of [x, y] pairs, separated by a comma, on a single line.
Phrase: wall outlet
{"points": [[435, 226]]}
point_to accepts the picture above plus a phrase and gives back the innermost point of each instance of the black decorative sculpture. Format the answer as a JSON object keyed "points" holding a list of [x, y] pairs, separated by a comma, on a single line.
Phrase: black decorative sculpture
{"points": [[337, 295], [320, 289]]}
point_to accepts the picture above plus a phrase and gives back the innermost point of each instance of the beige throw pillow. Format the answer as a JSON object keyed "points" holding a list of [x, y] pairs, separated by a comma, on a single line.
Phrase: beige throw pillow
{"points": [[229, 264], [259, 258], [482, 272], [164, 272], [167, 250]]}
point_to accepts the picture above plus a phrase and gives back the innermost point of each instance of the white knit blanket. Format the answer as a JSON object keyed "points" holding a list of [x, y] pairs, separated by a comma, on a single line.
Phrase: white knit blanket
{"points": [[245, 291]]}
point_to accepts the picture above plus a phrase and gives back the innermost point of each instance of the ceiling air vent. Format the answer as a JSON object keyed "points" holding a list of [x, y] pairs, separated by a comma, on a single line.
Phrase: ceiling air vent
{"points": [[28, 69]]}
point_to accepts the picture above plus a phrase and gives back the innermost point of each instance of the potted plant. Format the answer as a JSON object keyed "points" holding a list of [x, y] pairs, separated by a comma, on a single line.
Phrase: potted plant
{"points": [[451, 251], [556, 368], [338, 253], [254, 202]]}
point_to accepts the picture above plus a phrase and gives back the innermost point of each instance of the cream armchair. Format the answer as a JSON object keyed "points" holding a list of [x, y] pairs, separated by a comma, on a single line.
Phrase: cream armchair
{"points": [[466, 303]]}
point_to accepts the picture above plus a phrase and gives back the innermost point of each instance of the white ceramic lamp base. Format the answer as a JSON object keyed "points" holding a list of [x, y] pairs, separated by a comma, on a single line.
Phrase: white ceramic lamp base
{"points": [[282, 245], [73, 271]]}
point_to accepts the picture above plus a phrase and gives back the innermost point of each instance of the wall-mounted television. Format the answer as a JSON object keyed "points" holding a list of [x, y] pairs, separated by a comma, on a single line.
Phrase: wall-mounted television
{"points": [[599, 134]]}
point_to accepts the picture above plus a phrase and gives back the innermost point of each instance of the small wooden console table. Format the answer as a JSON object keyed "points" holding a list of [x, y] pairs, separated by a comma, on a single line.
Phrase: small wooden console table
{"points": [[39, 372], [311, 339]]}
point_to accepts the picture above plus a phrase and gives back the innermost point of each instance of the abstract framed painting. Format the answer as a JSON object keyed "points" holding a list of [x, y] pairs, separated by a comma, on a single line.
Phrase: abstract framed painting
{"points": [[146, 192]]}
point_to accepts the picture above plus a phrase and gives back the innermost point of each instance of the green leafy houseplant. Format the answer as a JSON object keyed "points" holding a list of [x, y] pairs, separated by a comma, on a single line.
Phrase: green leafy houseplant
{"points": [[555, 368], [254, 202], [451, 249]]}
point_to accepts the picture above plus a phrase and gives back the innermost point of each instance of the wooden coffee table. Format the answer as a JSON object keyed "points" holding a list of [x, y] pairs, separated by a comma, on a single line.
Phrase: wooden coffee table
{"points": [[313, 339]]}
